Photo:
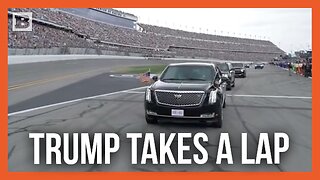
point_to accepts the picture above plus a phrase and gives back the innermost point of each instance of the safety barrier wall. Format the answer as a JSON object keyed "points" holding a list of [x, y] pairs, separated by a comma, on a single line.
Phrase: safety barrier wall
{"points": [[29, 55]]}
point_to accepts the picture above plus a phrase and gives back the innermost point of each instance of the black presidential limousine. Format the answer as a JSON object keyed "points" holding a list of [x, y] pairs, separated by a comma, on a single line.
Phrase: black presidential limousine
{"points": [[187, 92]]}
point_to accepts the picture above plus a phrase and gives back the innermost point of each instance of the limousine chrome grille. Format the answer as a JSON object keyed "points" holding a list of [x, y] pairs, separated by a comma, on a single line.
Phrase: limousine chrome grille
{"points": [[179, 98]]}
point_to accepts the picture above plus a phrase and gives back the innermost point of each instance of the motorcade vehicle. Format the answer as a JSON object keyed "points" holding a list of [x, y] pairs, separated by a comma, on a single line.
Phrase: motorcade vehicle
{"points": [[259, 66], [228, 73], [240, 70], [187, 92]]}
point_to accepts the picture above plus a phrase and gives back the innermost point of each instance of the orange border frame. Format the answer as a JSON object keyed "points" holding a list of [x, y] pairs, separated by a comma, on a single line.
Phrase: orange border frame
{"points": [[314, 4]]}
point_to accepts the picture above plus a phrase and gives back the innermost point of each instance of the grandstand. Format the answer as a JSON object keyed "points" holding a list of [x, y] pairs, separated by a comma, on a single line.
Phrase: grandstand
{"points": [[113, 31], [104, 15]]}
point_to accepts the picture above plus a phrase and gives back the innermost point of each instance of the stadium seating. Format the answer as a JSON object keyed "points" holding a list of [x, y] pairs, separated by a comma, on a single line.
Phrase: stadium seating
{"points": [[55, 28]]}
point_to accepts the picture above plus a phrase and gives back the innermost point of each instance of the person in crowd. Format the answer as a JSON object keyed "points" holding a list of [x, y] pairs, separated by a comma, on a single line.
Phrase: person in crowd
{"points": [[304, 72], [308, 69], [289, 68]]}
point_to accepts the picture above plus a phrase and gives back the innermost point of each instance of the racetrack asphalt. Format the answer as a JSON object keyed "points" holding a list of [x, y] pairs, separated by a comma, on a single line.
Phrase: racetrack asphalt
{"points": [[268, 100]]}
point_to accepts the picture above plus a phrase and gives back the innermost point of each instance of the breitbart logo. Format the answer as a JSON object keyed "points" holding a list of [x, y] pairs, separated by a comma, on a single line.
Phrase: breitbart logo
{"points": [[22, 21]]}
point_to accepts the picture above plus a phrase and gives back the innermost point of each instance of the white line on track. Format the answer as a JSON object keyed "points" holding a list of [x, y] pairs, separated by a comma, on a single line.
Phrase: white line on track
{"points": [[73, 101], [135, 92], [132, 91], [267, 96], [123, 75]]}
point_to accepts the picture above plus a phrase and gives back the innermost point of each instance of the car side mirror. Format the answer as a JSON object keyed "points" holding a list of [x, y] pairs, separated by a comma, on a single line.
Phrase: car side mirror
{"points": [[217, 83], [155, 78], [223, 80]]}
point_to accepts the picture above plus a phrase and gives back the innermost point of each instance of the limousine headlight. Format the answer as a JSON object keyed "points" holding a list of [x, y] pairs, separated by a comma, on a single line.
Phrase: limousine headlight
{"points": [[148, 95], [213, 97]]}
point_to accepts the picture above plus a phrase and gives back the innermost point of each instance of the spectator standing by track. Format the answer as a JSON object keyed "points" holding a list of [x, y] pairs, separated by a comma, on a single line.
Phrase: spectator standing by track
{"points": [[304, 71], [308, 69], [289, 68]]}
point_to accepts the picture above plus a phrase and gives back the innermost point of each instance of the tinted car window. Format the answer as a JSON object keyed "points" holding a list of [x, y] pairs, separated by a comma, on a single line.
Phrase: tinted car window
{"points": [[223, 67], [237, 65], [188, 73]]}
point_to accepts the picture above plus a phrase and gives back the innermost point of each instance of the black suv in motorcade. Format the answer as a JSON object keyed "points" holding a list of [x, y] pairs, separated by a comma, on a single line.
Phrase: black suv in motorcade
{"points": [[227, 73], [187, 92], [240, 70], [259, 66]]}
